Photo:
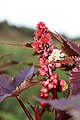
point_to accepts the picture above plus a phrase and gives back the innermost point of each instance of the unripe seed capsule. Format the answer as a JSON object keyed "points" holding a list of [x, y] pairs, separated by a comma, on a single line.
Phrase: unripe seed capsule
{"points": [[44, 90], [45, 83], [42, 104], [41, 72], [52, 77], [50, 86], [62, 82], [41, 94], [55, 81], [64, 85], [46, 95], [55, 76]]}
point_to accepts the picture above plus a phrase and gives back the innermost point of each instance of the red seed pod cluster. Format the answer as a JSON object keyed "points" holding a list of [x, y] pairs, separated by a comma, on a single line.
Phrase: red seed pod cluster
{"points": [[43, 44], [50, 84]]}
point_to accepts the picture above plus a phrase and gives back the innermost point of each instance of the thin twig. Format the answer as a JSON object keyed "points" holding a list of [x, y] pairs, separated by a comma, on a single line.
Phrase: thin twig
{"points": [[24, 108]]}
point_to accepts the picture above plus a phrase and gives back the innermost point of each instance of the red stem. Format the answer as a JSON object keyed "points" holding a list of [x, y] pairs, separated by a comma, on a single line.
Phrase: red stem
{"points": [[24, 108], [54, 93], [55, 96]]}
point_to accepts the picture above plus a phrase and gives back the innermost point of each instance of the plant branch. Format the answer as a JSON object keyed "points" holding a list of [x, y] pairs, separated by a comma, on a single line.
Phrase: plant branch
{"points": [[24, 108]]}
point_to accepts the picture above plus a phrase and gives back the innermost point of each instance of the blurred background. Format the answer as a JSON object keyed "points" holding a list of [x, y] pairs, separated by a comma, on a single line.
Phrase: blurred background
{"points": [[18, 20]]}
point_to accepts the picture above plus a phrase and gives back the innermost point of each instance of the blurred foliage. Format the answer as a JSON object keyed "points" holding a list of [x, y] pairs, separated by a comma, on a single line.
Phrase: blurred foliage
{"points": [[15, 32]]}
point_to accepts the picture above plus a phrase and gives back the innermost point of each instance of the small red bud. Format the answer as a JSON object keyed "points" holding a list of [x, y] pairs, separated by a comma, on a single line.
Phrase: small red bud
{"points": [[54, 86], [57, 65], [62, 82], [46, 95], [63, 85], [41, 61], [50, 86], [45, 54], [42, 104], [55, 76], [41, 72], [52, 77], [44, 90], [55, 81], [45, 83], [36, 45], [41, 94], [45, 67]]}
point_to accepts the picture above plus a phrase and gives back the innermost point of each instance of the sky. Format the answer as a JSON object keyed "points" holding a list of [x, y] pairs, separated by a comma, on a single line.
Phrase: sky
{"points": [[62, 16]]}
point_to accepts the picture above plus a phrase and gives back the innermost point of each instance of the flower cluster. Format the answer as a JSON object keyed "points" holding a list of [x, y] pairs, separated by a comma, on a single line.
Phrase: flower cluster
{"points": [[56, 55], [43, 44], [42, 39]]}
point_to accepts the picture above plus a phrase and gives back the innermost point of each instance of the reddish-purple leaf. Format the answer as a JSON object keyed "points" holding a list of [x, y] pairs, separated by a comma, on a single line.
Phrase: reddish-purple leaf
{"points": [[77, 60], [23, 75], [38, 112], [71, 105], [14, 86], [75, 80], [68, 46], [5, 86]]}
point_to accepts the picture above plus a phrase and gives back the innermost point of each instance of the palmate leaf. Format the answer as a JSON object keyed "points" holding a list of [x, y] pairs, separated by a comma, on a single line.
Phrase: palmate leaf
{"points": [[70, 48], [71, 105], [14, 86], [75, 80]]}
